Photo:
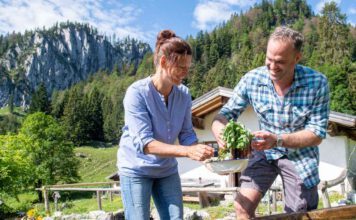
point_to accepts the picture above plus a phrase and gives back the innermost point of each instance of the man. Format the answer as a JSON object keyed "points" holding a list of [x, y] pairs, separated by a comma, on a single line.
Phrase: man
{"points": [[292, 105]]}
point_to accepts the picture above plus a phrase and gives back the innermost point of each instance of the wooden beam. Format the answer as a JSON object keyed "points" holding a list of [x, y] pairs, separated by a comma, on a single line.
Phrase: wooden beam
{"points": [[208, 107], [225, 99], [332, 129], [198, 122], [335, 129], [343, 119], [190, 199], [341, 212], [184, 189], [82, 184]]}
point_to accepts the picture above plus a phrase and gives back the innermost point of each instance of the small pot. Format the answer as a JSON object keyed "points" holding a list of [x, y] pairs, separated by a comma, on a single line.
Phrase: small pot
{"points": [[242, 153]]}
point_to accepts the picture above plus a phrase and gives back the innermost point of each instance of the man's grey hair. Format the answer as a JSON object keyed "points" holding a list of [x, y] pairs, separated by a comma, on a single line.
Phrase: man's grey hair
{"points": [[287, 34]]}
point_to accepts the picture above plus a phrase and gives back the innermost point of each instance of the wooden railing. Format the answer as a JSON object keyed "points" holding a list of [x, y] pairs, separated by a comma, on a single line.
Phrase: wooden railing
{"points": [[324, 185], [76, 187], [202, 192]]}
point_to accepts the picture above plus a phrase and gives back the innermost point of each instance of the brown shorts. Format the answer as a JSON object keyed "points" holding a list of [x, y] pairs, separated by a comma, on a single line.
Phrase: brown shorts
{"points": [[260, 174]]}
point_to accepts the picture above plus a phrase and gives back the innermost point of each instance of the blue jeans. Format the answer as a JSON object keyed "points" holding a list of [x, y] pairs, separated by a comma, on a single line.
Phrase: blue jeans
{"points": [[166, 192]]}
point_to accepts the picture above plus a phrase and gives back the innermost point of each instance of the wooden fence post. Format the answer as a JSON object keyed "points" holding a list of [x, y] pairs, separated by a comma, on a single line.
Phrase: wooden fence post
{"points": [[325, 198], [56, 196], [98, 197], [274, 200], [203, 199], [269, 202], [46, 201], [110, 193]]}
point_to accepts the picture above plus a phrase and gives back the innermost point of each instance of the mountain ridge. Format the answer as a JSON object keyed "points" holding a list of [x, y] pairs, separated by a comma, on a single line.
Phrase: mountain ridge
{"points": [[59, 57]]}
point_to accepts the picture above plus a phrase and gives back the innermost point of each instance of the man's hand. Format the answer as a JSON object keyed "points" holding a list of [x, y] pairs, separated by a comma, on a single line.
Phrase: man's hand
{"points": [[263, 140], [200, 152], [217, 128]]}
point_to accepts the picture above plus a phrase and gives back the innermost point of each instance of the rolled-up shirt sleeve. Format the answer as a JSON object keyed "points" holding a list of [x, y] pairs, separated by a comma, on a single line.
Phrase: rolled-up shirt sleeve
{"points": [[187, 135], [318, 119], [137, 119], [237, 103]]}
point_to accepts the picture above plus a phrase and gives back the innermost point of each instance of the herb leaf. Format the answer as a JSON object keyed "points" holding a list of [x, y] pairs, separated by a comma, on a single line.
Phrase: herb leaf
{"points": [[236, 136]]}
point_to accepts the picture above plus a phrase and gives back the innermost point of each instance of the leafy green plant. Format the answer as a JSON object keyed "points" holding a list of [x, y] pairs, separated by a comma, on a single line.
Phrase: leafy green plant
{"points": [[236, 136]]}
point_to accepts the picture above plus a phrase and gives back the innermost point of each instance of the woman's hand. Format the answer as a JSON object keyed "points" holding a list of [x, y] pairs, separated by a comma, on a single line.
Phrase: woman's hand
{"points": [[200, 152]]}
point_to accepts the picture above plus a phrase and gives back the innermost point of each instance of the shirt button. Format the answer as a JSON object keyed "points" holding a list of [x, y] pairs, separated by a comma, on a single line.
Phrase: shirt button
{"points": [[168, 129], [169, 137]]}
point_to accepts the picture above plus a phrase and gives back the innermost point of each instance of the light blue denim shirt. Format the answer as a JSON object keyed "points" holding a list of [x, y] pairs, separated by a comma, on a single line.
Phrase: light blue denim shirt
{"points": [[147, 118]]}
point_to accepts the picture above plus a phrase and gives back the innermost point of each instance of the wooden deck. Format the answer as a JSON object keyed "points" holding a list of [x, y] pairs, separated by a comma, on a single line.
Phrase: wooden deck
{"points": [[335, 213]]}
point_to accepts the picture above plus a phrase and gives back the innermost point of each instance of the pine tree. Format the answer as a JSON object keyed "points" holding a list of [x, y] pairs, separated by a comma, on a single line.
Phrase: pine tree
{"points": [[333, 32], [196, 79], [58, 102], [213, 55], [74, 117], [40, 101], [94, 115]]}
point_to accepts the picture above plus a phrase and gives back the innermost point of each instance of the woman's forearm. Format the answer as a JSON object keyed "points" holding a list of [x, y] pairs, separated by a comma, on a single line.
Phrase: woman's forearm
{"points": [[165, 150]]}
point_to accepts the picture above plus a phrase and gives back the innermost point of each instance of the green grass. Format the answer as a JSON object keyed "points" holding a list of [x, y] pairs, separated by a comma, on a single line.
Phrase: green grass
{"points": [[84, 205], [96, 163], [17, 111], [262, 209], [218, 211], [4, 111], [66, 204], [335, 196]]}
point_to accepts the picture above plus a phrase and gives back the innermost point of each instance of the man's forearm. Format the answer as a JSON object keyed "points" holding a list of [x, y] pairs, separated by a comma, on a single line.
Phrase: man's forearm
{"points": [[300, 139]]}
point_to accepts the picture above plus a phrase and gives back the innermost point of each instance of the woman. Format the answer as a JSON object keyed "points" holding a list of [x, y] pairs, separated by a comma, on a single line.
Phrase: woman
{"points": [[157, 112]]}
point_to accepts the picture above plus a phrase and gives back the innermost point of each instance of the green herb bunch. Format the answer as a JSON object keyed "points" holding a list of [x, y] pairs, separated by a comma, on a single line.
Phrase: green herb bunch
{"points": [[236, 136]]}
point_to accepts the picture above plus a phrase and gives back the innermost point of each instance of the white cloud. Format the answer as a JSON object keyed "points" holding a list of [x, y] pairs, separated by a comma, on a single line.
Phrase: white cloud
{"points": [[209, 13], [240, 3], [321, 4], [108, 16], [352, 10]]}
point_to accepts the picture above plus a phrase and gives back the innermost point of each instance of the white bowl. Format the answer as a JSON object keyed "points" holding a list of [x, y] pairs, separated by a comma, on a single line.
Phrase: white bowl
{"points": [[227, 166]]}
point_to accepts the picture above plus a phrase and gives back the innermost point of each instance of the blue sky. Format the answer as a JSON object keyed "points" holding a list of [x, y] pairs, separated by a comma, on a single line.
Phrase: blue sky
{"points": [[141, 19]]}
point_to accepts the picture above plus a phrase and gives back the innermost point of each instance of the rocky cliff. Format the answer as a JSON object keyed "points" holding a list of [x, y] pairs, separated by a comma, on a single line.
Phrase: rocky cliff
{"points": [[59, 57]]}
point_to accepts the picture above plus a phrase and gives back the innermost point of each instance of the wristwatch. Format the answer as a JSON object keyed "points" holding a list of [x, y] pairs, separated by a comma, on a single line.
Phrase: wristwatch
{"points": [[279, 140]]}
